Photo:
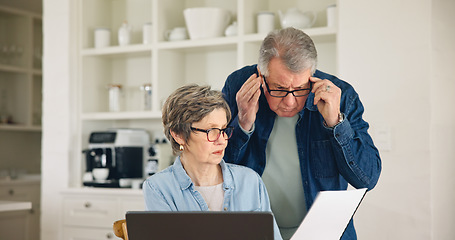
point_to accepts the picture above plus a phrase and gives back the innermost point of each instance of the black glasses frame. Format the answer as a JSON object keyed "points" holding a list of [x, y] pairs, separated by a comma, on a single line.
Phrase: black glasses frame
{"points": [[227, 132], [271, 92]]}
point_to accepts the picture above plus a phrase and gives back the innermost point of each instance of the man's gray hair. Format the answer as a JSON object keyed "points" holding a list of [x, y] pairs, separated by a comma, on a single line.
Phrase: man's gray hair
{"points": [[294, 47]]}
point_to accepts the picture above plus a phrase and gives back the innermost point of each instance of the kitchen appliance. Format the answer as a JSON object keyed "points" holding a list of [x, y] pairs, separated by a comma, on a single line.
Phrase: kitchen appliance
{"points": [[123, 151]]}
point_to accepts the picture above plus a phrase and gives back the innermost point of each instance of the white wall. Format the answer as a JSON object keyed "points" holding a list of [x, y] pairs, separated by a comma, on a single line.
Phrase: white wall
{"points": [[57, 108], [390, 58], [397, 54], [442, 128]]}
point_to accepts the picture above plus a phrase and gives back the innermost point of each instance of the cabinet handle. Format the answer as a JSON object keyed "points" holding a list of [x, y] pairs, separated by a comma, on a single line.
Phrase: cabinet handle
{"points": [[87, 205], [11, 192], [109, 235]]}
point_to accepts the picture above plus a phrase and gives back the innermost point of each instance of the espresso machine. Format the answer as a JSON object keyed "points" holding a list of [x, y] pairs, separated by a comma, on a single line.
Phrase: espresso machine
{"points": [[115, 157]]}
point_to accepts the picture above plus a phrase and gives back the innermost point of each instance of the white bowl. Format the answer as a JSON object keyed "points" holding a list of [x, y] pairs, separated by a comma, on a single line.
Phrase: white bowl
{"points": [[206, 22], [125, 182], [100, 173]]}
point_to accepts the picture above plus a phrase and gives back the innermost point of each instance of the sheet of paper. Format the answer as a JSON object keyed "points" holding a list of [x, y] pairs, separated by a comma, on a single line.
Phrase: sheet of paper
{"points": [[329, 215]]}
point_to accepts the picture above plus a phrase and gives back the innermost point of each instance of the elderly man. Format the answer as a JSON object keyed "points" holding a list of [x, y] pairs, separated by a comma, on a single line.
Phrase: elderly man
{"points": [[301, 129]]}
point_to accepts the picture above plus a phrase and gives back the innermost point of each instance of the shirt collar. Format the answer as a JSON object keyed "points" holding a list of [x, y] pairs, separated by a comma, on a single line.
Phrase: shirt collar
{"points": [[185, 181], [309, 103]]}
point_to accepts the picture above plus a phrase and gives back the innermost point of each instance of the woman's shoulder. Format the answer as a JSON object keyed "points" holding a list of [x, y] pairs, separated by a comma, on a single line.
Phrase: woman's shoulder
{"points": [[161, 176]]}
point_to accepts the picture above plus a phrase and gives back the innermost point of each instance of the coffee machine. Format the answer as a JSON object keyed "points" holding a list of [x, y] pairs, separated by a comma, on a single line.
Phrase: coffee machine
{"points": [[120, 154]]}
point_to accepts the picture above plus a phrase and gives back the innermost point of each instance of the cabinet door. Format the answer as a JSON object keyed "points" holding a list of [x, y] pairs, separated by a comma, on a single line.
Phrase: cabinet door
{"points": [[21, 193], [14, 225], [90, 212], [31, 217], [74, 233]]}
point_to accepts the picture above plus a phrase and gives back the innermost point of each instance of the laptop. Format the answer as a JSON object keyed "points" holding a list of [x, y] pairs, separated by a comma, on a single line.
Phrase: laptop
{"points": [[145, 225]]}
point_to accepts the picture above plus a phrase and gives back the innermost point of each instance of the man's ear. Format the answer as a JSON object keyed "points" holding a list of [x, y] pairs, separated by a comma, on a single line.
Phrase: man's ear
{"points": [[260, 75], [177, 138], [259, 71]]}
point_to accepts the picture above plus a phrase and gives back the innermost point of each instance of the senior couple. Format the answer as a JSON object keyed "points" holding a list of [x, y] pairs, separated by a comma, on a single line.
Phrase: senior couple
{"points": [[292, 130]]}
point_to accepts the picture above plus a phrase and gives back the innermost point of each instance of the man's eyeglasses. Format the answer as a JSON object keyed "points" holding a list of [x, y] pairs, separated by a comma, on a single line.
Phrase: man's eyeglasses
{"points": [[214, 133], [284, 93]]}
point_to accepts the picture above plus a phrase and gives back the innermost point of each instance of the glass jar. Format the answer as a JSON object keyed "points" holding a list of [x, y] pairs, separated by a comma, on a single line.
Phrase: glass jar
{"points": [[147, 97]]}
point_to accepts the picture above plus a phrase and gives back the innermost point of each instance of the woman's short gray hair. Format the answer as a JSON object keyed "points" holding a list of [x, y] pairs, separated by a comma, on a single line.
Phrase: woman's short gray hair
{"points": [[187, 105], [294, 47]]}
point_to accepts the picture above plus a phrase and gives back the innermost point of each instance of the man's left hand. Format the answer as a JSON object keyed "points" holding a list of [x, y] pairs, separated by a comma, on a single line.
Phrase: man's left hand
{"points": [[327, 97]]}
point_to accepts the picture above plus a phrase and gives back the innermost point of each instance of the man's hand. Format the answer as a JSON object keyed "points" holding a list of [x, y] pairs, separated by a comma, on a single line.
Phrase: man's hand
{"points": [[327, 97], [247, 101]]}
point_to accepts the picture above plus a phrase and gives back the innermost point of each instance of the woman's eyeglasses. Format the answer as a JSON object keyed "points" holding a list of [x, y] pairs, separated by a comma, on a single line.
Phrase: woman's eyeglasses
{"points": [[214, 133]]}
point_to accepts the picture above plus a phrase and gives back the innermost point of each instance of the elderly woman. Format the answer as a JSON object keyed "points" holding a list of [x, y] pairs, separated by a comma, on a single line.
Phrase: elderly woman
{"points": [[195, 120]]}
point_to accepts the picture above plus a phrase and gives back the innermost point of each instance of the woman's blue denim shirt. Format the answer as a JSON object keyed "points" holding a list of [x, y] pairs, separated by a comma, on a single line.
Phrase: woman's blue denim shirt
{"points": [[173, 190], [330, 158]]}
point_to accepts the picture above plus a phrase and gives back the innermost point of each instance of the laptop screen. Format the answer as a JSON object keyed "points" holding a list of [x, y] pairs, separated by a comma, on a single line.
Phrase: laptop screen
{"points": [[144, 225]]}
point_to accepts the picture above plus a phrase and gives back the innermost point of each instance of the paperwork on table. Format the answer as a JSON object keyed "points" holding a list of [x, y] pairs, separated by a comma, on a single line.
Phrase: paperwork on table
{"points": [[329, 215]]}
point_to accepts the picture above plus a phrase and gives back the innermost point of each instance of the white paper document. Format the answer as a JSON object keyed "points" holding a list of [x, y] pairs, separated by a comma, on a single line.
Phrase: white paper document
{"points": [[329, 215]]}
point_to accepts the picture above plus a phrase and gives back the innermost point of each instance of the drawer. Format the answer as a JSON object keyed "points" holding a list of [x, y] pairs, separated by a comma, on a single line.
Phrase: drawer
{"points": [[77, 233], [21, 193], [92, 212]]}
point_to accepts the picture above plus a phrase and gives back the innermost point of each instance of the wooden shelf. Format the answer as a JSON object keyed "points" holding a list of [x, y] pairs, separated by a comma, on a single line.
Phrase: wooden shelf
{"points": [[121, 115], [12, 127], [123, 51], [20, 93]]}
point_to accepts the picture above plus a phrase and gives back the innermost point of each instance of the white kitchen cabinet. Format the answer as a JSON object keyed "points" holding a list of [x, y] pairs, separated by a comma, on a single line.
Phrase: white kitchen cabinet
{"points": [[14, 225], [80, 233], [20, 70], [167, 65], [21, 224], [89, 213]]}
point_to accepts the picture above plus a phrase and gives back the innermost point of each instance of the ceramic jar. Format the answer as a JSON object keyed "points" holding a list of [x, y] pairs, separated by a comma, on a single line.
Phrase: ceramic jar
{"points": [[124, 34]]}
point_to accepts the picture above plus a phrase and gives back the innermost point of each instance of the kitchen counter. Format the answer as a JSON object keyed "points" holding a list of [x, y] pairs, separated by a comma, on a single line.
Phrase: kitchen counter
{"points": [[14, 206]]}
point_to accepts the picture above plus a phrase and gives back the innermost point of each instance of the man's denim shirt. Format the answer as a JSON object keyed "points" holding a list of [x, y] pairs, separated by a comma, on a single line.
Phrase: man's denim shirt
{"points": [[173, 190], [330, 158]]}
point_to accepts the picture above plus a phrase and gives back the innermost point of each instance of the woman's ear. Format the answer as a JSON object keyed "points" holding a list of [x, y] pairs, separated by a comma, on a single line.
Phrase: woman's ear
{"points": [[177, 138]]}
